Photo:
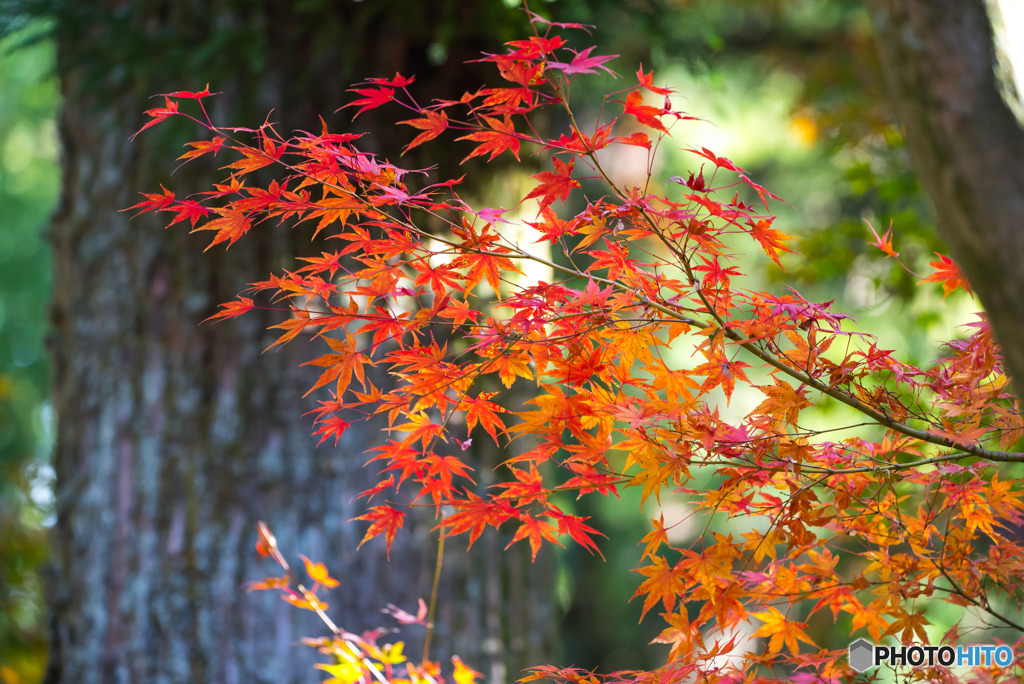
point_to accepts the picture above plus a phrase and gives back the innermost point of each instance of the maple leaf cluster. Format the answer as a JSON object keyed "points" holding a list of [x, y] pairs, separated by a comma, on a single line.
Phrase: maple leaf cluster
{"points": [[357, 658], [861, 530]]}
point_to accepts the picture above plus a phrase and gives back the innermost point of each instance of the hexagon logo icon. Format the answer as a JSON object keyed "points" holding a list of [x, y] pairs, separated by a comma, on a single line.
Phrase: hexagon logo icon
{"points": [[862, 655]]}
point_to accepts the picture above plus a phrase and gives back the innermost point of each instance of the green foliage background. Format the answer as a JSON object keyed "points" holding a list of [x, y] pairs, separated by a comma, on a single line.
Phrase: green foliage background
{"points": [[29, 178]]}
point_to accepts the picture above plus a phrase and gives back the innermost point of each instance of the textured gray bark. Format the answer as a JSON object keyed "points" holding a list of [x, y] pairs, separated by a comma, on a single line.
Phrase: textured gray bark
{"points": [[173, 437], [966, 146]]}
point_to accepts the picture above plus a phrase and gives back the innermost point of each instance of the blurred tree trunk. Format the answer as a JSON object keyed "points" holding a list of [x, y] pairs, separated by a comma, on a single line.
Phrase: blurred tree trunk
{"points": [[173, 437], [966, 144]]}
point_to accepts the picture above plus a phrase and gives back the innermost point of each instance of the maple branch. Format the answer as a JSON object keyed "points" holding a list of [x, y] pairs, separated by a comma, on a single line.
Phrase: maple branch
{"points": [[803, 377], [985, 606], [857, 404], [433, 595], [877, 416], [269, 545]]}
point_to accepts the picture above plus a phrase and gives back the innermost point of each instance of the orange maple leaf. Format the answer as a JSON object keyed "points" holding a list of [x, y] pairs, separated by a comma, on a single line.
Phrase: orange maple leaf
{"points": [[782, 631], [883, 243], [347, 361], [203, 147], [232, 309], [769, 238], [253, 159], [512, 364], [655, 538], [318, 573], [231, 225], [910, 626], [663, 582], [385, 520]]}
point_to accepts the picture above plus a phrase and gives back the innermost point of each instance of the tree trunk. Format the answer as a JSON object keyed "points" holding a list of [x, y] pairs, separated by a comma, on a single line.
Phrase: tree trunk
{"points": [[173, 437], [966, 145]]}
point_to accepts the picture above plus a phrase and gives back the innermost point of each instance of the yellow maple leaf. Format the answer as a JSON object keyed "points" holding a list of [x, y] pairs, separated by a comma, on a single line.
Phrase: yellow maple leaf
{"points": [[782, 631]]}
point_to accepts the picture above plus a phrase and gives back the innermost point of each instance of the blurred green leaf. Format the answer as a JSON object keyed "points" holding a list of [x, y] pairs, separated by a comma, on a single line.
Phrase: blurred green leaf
{"points": [[28, 191]]}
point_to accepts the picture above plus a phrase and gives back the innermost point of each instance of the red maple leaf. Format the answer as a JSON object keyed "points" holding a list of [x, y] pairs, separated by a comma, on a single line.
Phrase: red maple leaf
{"points": [[397, 81], [189, 209], [716, 160], [576, 527], [158, 114], [485, 412], [487, 265], [501, 136], [154, 201], [647, 81], [949, 274], [555, 184], [637, 138], [645, 114], [331, 426], [474, 515], [528, 487], [372, 98], [536, 46], [203, 147], [190, 95]]}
